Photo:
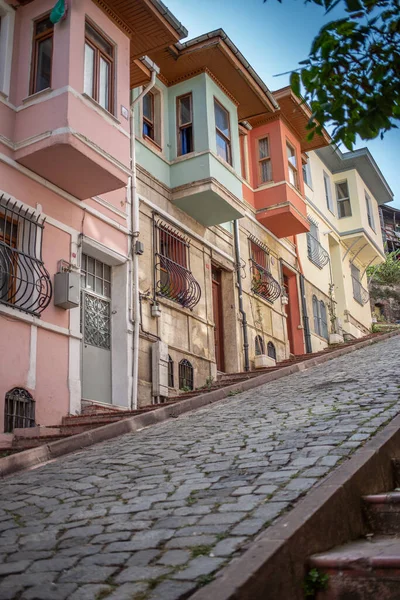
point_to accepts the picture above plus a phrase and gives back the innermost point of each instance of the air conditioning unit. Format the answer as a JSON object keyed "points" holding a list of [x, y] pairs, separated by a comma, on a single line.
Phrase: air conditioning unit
{"points": [[159, 359]]}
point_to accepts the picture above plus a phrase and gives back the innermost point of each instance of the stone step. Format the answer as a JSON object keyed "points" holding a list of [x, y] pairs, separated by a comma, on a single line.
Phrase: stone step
{"points": [[361, 570], [382, 512], [24, 443]]}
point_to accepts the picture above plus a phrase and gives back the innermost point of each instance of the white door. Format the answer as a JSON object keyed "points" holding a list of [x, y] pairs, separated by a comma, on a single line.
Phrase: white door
{"points": [[96, 330]]}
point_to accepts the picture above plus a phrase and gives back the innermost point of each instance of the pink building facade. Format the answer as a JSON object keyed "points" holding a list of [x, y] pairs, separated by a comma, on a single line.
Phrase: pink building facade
{"points": [[64, 207]]}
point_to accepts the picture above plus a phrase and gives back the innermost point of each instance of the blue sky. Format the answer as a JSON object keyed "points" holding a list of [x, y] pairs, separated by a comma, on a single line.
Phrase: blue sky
{"points": [[274, 37]]}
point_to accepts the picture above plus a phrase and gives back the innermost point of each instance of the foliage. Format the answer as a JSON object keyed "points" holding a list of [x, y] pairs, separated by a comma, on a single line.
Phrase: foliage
{"points": [[332, 309], [314, 581], [352, 75], [388, 272]]}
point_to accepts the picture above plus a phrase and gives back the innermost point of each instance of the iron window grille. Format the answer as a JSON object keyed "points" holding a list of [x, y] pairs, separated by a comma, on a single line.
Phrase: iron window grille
{"points": [[24, 281], [262, 282], [173, 277], [271, 351], [170, 372], [259, 345], [315, 251], [185, 375], [19, 410]]}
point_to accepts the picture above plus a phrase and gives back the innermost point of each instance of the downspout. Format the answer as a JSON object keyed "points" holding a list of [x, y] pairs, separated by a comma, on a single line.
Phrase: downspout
{"points": [[135, 231], [240, 290]]}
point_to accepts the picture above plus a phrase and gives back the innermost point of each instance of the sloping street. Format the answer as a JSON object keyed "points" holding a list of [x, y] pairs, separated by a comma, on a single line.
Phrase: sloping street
{"points": [[156, 514]]}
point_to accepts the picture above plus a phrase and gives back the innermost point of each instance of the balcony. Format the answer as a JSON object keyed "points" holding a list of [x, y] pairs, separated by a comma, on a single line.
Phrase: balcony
{"points": [[362, 246], [282, 210], [208, 201], [316, 253], [71, 143]]}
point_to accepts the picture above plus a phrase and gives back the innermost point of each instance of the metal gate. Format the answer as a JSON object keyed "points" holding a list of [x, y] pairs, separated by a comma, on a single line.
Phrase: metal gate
{"points": [[96, 330]]}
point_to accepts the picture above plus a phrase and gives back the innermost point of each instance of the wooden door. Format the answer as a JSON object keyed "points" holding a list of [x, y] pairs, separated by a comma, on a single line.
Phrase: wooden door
{"points": [[288, 314], [218, 321]]}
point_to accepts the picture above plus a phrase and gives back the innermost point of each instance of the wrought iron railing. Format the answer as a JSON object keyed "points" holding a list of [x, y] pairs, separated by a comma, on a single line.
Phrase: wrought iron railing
{"points": [[173, 277], [316, 253], [263, 284], [360, 294], [24, 281]]}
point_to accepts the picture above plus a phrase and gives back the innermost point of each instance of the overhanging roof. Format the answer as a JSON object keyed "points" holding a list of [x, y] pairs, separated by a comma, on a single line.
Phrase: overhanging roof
{"points": [[298, 114], [150, 27], [216, 54], [363, 162]]}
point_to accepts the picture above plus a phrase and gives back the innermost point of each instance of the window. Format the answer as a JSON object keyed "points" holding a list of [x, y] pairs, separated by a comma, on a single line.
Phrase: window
{"points": [[271, 351], [19, 410], [307, 173], [259, 345], [42, 55], [323, 319], [370, 213], [328, 192], [174, 279], [223, 132], [360, 294], [292, 164], [24, 281], [243, 155], [185, 124], [95, 276], [185, 375], [170, 372], [151, 126], [99, 64], [264, 161], [263, 283], [343, 200], [7, 17]]}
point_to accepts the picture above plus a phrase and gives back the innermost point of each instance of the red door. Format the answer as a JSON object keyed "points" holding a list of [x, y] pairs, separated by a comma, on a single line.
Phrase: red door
{"points": [[217, 310], [288, 314]]}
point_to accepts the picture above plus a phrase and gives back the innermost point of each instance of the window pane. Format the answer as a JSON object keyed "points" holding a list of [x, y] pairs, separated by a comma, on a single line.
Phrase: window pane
{"points": [[148, 107], [99, 269], [148, 130], [43, 26], [344, 208], [291, 155], [186, 140], [104, 82], [90, 264], [266, 171], [107, 273], [89, 70], [107, 289], [185, 110], [292, 177], [99, 285], [342, 190], [43, 72], [263, 147], [222, 147], [99, 40], [222, 119]]}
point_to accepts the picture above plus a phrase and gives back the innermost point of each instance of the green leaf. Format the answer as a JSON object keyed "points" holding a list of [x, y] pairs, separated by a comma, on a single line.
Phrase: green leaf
{"points": [[295, 83]]}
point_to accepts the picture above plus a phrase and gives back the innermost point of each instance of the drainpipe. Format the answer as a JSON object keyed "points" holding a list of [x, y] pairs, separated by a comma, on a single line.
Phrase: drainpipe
{"points": [[135, 231], [306, 321], [240, 290]]}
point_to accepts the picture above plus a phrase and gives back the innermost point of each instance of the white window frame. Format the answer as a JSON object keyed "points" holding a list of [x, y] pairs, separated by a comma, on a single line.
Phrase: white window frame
{"points": [[7, 14], [370, 212], [343, 200], [328, 192], [307, 172]]}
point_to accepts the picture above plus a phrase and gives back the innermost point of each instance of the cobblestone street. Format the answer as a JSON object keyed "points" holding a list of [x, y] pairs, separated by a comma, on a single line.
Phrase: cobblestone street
{"points": [[155, 514]]}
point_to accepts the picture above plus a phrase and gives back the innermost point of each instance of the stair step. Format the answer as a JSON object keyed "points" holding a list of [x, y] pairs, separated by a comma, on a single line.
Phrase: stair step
{"points": [[361, 570], [24, 443], [383, 512]]}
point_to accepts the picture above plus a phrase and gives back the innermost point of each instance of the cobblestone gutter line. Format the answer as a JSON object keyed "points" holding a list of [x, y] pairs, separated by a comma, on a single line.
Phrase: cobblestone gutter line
{"points": [[158, 514], [47, 452]]}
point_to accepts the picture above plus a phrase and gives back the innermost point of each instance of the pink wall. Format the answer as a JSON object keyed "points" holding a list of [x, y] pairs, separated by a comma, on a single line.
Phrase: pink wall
{"points": [[14, 364], [51, 394]]}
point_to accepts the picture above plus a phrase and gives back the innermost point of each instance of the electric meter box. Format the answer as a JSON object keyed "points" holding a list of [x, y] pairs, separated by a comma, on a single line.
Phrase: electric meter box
{"points": [[66, 289]]}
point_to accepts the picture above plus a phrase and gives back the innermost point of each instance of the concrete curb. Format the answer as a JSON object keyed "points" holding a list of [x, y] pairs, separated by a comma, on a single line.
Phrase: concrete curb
{"points": [[274, 565], [35, 456]]}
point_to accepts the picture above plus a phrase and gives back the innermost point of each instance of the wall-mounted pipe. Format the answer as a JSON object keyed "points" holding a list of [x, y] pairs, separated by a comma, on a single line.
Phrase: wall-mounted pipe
{"points": [[240, 291], [135, 231]]}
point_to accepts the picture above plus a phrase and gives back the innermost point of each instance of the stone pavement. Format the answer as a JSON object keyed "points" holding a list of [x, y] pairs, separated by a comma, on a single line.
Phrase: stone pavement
{"points": [[155, 514]]}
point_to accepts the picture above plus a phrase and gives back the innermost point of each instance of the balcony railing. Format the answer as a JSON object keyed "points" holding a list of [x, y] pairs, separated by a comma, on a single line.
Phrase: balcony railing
{"points": [[360, 294], [316, 253], [263, 284]]}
